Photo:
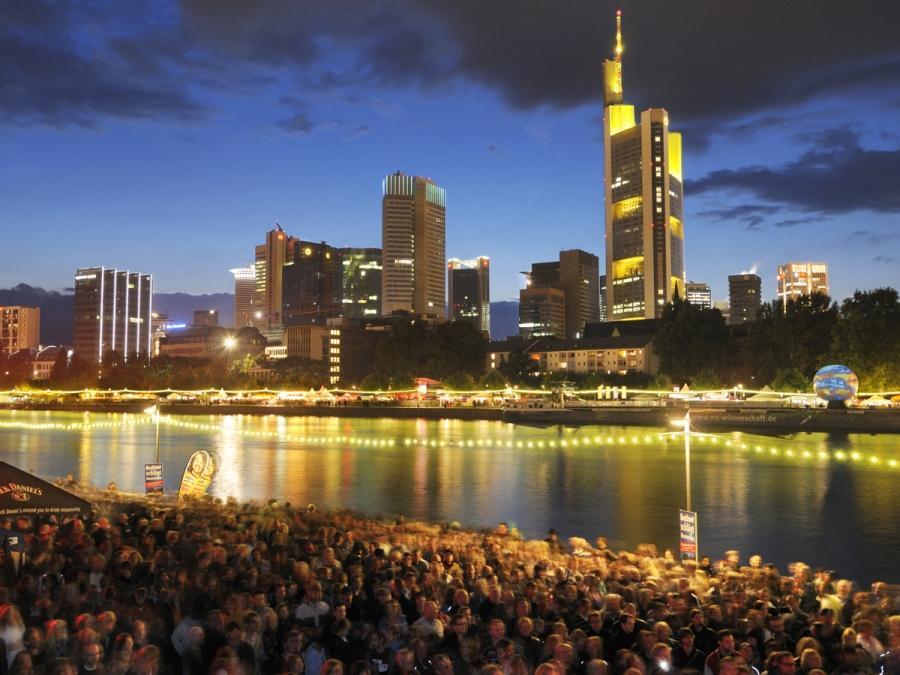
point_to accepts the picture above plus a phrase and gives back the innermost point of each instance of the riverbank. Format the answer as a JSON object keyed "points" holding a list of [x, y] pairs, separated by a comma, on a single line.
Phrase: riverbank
{"points": [[731, 415]]}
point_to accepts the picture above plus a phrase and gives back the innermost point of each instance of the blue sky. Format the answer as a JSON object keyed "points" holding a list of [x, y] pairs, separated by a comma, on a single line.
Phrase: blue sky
{"points": [[167, 138]]}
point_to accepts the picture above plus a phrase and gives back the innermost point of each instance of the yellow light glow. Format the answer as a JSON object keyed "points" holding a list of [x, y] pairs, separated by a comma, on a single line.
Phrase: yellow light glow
{"points": [[628, 267], [675, 154], [676, 227], [621, 118], [627, 208]]}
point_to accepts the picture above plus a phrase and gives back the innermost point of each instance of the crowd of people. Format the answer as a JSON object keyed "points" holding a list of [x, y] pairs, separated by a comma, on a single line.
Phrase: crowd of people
{"points": [[148, 587]]}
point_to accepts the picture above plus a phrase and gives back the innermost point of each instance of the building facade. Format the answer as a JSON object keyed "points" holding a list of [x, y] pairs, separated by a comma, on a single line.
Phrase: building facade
{"points": [[112, 313], [306, 342], [801, 278], [469, 288], [271, 257], [698, 294], [744, 298], [212, 342], [643, 197], [312, 285], [205, 317], [20, 328], [413, 236], [542, 312], [361, 280], [579, 278], [603, 312], [244, 290]]}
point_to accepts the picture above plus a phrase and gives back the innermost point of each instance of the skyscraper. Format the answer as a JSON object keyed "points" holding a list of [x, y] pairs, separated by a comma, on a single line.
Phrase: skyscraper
{"points": [[312, 285], [244, 288], [744, 298], [579, 277], [643, 197], [205, 317], [698, 294], [576, 274], [269, 269], [542, 312], [361, 282], [413, 235], [603, 314], [469, 287], [112, 313], [801, 278], [20, 328]]}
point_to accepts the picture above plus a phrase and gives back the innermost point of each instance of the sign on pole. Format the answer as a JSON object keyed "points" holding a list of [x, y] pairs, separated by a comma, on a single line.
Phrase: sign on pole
{"points": [[153, 479], [688, 526]]}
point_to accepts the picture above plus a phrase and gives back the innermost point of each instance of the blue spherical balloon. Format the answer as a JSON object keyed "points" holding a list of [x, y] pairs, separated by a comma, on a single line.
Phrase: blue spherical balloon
{"points": [[835, 383]]}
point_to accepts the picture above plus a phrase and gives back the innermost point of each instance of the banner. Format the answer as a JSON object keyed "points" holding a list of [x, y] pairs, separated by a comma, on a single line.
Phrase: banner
{"points": [[199, 473], [688, 523], [153, 479]]}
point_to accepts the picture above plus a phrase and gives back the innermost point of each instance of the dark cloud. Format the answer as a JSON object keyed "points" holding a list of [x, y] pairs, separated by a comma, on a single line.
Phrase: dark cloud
{"points": [[298, 123], [873, 238], [494, 150], [793, 222], [836, 175], [885, 259], [712, 64], [47, 77], [752, 216]]}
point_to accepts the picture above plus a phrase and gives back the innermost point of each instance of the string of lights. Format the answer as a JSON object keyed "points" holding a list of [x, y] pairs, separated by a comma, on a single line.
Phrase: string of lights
{"points": [[786, 448]]}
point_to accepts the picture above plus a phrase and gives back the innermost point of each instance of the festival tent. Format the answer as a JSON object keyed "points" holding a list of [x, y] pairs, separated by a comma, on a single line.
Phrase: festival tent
{"points": [[765, 394], [22, 494], [876, 401]]}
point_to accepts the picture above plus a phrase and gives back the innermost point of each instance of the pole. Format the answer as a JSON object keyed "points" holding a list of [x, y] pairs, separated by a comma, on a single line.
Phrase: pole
{"points": [[157, 432], [687, 458]]}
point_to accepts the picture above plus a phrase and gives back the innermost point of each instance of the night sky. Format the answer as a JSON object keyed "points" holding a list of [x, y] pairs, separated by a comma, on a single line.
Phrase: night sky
{"points": [[167, 137]]}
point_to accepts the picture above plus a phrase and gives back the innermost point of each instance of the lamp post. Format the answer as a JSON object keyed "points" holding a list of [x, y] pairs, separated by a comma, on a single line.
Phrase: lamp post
{"points": [[687, 458], [689, 544]]}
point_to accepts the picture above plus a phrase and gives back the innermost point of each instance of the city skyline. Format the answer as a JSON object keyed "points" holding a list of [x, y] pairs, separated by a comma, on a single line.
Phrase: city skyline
{"points": [[787, 155]]}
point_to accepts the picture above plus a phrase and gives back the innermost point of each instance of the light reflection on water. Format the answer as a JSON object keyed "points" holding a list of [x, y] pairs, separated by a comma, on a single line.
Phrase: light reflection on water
{"points": [[787, 499]]}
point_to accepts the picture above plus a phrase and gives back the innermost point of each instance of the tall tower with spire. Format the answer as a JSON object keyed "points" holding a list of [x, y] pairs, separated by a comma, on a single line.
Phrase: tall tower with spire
{"points": [[643, 201]]}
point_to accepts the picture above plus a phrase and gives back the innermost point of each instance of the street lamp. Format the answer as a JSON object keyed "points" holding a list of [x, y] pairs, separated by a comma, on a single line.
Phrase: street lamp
{"points": [[687, 519], [230, 342]]}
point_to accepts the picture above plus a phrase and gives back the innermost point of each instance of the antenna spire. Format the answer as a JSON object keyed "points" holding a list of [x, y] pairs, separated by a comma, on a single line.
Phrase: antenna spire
{"points": [[619, 47]]}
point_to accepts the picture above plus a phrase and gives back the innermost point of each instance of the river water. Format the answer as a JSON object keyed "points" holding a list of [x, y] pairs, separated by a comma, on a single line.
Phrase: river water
{"points": [[829, 500]]}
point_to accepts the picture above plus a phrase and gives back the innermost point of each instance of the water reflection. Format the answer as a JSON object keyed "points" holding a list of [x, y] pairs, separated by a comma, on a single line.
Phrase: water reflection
{"points": [[809, 496]]}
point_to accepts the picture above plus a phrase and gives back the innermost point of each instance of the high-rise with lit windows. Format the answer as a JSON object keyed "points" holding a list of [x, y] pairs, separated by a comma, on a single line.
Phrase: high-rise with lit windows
{"points": [[801, 278], [112, 313], [244, 288], [469, 286], [414, 248], [643, 201]]}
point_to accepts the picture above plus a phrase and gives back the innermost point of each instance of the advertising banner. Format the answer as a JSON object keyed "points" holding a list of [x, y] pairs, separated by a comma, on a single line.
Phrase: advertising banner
{"points": [[688, 526], [153, 479], [199, 473]]}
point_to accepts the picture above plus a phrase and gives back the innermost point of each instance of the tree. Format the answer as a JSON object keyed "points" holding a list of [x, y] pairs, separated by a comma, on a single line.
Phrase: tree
{"points": [[690, 339], [518, 367], [867, 338], [796, 336], [707, 378], [413, 349], [459, 381], [494, 379], [791, 379]]}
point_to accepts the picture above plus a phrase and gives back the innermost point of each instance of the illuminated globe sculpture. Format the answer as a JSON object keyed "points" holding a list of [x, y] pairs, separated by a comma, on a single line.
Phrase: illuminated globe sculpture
{"points": [[835, 384]]}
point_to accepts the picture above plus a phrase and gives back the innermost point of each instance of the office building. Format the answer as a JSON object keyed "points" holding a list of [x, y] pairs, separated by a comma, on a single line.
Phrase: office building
{"points": [[413, 235], [542, 312], [801, 278], [603, 313], [306, 342], [576, 274], [112, 313], [469, 288], [698, 294], [312, 284], [20, 328], [205, 317], [579, 278], [212, 342], [744, 298], [271, 257], [643, 202], [361, 295], [244, 289]]}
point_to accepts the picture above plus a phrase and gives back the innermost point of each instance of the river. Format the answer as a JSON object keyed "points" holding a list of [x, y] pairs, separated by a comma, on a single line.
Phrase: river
{"points": [[829, 500]]}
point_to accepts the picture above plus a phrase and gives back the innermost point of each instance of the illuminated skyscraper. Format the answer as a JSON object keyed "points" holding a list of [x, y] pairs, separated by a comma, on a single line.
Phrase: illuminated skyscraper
{"points": [[413, 235], [20, 328], [643, 200], [244, 288], [801, 278], [361, 282], [112, 313], [269, 274], [311, 285], [469, 287]]}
